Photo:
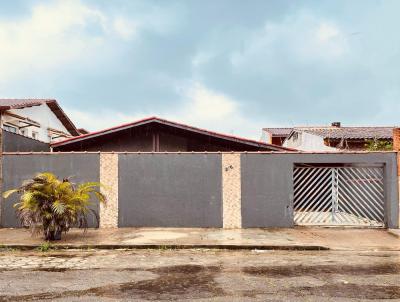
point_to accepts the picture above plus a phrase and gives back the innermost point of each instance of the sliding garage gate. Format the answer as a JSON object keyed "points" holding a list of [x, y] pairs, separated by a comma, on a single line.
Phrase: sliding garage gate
{"points": [[344, 195]]}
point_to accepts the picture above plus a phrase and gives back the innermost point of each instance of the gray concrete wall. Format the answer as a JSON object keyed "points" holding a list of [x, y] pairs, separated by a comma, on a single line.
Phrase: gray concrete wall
{"points": [[17, 143], [267, 186], [185, 190], [17, 168], [170, 190], [266, 191]]}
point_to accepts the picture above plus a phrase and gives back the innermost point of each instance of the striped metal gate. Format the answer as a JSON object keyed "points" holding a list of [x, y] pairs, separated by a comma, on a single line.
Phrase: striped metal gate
{"points": [[342, 196]]}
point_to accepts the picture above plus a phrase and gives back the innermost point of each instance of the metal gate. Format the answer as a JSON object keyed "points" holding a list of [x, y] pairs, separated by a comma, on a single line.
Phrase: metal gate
{"points": [[347, 196]]}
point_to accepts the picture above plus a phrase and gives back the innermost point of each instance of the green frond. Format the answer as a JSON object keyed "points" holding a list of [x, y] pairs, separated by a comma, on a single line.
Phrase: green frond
{"points": [[47, 176], [58, 207], [18, 205], [39, 194], [47, 215], [49, 203], [64, 188], [28, 198], [100, 196], [90, 184], [8, 193]]}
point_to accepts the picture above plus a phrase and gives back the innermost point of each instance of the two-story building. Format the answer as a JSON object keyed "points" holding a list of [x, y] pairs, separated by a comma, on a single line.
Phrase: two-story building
{"points": [[39, 119], [32, 124]]}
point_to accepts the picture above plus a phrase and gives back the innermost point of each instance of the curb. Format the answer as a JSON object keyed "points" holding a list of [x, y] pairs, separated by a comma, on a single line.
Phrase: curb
{"points": [[394, 232], [170, 246]]}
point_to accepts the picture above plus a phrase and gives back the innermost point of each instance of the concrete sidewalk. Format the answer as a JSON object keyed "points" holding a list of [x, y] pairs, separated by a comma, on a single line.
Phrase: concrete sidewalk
{"points": [[285, 239]]}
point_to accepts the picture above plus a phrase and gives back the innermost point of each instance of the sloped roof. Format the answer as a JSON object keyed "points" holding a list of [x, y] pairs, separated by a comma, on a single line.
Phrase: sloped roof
{"points": [[7, 104], [279, 131], [172, 124], [83, 131], [350, 132]]}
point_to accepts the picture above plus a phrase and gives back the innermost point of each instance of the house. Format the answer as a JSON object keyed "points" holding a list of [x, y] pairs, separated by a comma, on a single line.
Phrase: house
{"points": [[159, 135], [336, 137], [38, 119], [275, 136]]}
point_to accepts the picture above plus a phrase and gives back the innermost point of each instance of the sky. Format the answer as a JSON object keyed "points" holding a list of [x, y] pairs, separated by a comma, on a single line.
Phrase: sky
{"points": [[230, 66]]}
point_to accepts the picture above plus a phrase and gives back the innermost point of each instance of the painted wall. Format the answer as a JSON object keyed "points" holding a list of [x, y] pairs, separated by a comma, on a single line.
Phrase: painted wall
{"points": [[17, 143], [186, 190], [41, 114], [266, 191], [308, 142], [17, 168], [170, 190], [266, 137], [267, 185]]}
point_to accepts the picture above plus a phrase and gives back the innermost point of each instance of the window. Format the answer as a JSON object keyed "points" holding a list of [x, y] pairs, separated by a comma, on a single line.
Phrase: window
{"points": [[35, 135], [23, 132], [10, 128]]}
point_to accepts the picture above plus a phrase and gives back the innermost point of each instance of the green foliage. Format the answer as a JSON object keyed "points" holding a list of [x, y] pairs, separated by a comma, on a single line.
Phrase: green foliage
{"points": [[45, 247], [51, 206], [378, 145]]}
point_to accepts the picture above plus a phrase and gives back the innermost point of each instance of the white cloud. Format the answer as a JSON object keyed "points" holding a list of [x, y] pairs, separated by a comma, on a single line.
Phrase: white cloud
{"points": [[330, 41], [205, 105], [56, 35], [125, 28], [302, 38], [49, 38], [201, 58], [326, 32], [202, 108]]}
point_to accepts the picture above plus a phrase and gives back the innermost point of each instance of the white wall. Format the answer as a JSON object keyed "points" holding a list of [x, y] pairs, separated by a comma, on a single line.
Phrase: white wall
{"points": [[266, 137], [308, 142], [41, 114]]}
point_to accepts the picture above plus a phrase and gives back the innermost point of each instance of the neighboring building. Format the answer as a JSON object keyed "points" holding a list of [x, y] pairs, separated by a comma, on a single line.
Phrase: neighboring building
{"points": [[158, 135], [39, 119], [336, 137], [275, 136]]}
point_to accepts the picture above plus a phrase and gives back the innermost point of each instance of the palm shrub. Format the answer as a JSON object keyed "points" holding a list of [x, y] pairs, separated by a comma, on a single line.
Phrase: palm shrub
{"points": [[51, 206]]}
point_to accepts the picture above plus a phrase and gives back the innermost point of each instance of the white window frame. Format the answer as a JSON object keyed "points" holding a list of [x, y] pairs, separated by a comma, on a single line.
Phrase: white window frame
{"points": [[35, 135], [9, 127]]}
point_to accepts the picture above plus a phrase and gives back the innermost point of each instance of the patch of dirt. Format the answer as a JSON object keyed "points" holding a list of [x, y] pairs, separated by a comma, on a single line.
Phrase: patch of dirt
{"points": [[192, 281], [355, 291], [301, 270], [51, 269], [66, 256]]}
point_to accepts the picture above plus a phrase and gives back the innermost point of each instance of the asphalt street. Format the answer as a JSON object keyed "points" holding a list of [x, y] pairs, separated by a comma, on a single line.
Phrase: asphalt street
{"points": [[200, 275]]}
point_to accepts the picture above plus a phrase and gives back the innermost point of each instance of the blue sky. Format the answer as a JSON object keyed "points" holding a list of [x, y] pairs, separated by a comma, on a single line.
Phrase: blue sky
{"points": [[230, 66]]}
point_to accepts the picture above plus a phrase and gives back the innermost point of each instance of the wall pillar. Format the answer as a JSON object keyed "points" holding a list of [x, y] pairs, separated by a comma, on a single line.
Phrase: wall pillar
{"points": [[396, 147], [109, 178], [1, 170], [231, 191]]}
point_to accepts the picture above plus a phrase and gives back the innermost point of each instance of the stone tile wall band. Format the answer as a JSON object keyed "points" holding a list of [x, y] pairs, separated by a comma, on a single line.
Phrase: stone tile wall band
{"points": [[109, 178], [231, 191]]}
